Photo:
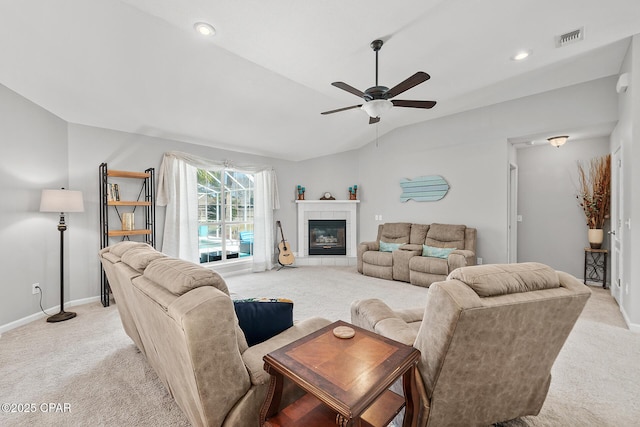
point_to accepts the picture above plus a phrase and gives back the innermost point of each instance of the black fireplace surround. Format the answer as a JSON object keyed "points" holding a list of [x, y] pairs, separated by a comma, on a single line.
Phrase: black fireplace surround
{"points": [[327, 237]]}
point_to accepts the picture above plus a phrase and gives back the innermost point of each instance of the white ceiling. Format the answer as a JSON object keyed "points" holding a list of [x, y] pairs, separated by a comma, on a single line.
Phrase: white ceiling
{"points": [[260, 84]]}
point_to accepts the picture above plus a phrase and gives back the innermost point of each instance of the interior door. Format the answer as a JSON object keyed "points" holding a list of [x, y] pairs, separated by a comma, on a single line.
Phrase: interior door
{"points": [[617, 230], [512, 230]]}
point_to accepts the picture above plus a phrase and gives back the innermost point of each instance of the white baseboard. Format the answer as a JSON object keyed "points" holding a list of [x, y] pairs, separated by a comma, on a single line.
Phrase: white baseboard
{"points": [[232, 267], [594, 284], [39, 315], [326, 260], [634, 327]]}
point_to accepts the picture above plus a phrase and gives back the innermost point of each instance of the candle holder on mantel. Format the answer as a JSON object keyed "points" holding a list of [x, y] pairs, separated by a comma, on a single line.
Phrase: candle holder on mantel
{"points": [[300, 192], [353, 193]]}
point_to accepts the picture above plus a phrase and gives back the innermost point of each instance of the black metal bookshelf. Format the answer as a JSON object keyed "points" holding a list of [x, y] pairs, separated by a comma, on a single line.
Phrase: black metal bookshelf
{"points": [[112, 207]]}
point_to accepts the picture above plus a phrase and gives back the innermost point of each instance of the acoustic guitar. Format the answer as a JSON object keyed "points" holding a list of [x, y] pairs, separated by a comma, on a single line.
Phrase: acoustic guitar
{"points": [[285, 257]]}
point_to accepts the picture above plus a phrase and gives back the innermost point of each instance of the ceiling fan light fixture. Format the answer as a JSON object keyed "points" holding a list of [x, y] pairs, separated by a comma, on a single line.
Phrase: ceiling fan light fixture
{"points": [[557, 141], [204, 29], [377, 98], [376, 107]]}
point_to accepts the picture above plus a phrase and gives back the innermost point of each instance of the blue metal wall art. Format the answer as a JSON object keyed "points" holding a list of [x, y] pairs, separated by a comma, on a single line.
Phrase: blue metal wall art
{"points": [[424, 189]]}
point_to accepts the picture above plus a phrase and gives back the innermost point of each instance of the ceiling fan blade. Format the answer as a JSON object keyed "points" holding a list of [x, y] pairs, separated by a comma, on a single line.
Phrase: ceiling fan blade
{"points": [[348, 88], [413, 104], [342, 109], [373, 120], [412, 81]]}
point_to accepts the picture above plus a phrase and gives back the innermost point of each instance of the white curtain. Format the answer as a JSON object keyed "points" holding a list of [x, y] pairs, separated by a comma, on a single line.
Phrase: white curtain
{"points": [[177, 190], [265, 200]]}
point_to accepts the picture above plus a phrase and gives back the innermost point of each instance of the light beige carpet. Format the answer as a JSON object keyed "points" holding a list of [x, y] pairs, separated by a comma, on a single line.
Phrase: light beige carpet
{"points": [[90, 364]]}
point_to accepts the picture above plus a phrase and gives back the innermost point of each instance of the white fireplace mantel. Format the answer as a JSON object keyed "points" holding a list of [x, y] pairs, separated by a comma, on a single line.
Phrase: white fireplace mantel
{"points": [[327, 209]]}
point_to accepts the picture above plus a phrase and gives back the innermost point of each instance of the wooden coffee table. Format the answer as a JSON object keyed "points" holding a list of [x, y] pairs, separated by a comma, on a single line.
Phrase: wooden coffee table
{"points": [[346, 380]]}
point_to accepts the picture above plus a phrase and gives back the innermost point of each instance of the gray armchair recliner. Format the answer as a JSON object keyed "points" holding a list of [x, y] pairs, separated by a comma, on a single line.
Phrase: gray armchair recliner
{"points": [[488, 337]]}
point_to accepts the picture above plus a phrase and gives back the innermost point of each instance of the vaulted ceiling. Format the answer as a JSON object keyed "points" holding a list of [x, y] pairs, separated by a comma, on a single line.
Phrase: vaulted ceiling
{"points": [[260, 83]]}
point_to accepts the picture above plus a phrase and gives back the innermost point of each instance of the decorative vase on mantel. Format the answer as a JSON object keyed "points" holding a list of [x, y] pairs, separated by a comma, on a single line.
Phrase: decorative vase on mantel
{"points": [[596, 236]]}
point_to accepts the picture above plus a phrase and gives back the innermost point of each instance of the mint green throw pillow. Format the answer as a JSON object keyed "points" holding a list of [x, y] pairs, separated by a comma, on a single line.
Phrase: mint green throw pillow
{"points": [[389, 247], [436, 252]]}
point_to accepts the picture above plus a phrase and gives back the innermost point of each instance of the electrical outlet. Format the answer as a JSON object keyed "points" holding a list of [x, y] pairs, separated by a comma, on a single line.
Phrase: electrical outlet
{"points": [[479, 260], [35, 288], [626, 288]]}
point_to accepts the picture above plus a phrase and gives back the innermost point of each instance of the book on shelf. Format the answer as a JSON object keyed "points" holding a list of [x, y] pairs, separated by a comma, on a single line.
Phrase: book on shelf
{"points": [[128, 221], [113, 193]]}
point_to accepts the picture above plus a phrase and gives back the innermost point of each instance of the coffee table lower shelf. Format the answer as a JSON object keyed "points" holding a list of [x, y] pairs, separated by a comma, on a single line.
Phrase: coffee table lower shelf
{"points": [[309, 411]]}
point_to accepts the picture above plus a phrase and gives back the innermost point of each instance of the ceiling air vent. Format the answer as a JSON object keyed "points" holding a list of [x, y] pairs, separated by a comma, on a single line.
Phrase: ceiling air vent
{"points": [[570, 37]]}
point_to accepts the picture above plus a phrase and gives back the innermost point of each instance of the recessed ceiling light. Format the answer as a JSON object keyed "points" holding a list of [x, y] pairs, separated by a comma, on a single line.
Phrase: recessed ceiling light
{"points": [[521, 55], [204, 29]]}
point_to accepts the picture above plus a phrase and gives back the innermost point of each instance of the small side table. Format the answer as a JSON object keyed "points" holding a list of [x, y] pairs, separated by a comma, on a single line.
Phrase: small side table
{"points": [[346, 381], [595, 265]]}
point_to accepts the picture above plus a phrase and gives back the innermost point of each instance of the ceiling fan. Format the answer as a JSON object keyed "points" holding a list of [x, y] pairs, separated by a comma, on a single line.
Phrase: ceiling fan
{"points": [[378, 98]]}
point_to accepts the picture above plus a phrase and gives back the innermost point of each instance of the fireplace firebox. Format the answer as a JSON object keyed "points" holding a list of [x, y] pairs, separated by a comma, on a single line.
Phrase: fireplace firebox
{"points": [[327, 237]]}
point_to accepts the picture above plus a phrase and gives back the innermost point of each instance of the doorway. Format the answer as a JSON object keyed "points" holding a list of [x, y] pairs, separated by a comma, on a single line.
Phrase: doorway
{"points": [[512, 215]]}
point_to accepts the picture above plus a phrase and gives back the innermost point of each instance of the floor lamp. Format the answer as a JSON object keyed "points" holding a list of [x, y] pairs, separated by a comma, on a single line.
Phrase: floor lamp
{"points": [[62, 201]]}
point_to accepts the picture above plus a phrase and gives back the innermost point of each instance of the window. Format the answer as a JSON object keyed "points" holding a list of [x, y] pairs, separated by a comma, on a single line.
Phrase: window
{"points": [[225, 214]]}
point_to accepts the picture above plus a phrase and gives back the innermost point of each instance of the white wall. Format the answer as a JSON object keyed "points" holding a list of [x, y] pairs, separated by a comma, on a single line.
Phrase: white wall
{"points": [[626, 136], [90, 146], [470, 200], [553, 230], [632, 303], [34, 156], [42, 151], [334, 173], [470, 150]]}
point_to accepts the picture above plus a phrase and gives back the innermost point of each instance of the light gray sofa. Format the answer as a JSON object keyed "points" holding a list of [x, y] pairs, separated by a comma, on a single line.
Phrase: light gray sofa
{"points": [[181, 317], [407, 263], [488, 337]]}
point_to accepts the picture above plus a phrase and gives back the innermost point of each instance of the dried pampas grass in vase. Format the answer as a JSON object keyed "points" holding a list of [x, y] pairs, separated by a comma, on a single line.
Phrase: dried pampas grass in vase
{"points": [[594, 195]]}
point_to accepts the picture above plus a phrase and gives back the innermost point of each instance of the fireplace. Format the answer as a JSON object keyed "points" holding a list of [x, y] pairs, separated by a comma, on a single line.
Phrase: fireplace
{"points": [[327, 237], [327, 210]]}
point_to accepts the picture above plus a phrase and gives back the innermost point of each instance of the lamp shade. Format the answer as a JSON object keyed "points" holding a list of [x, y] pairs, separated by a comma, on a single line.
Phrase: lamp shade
{"points": [[376, 107], [61, 201], [557, 141]]}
